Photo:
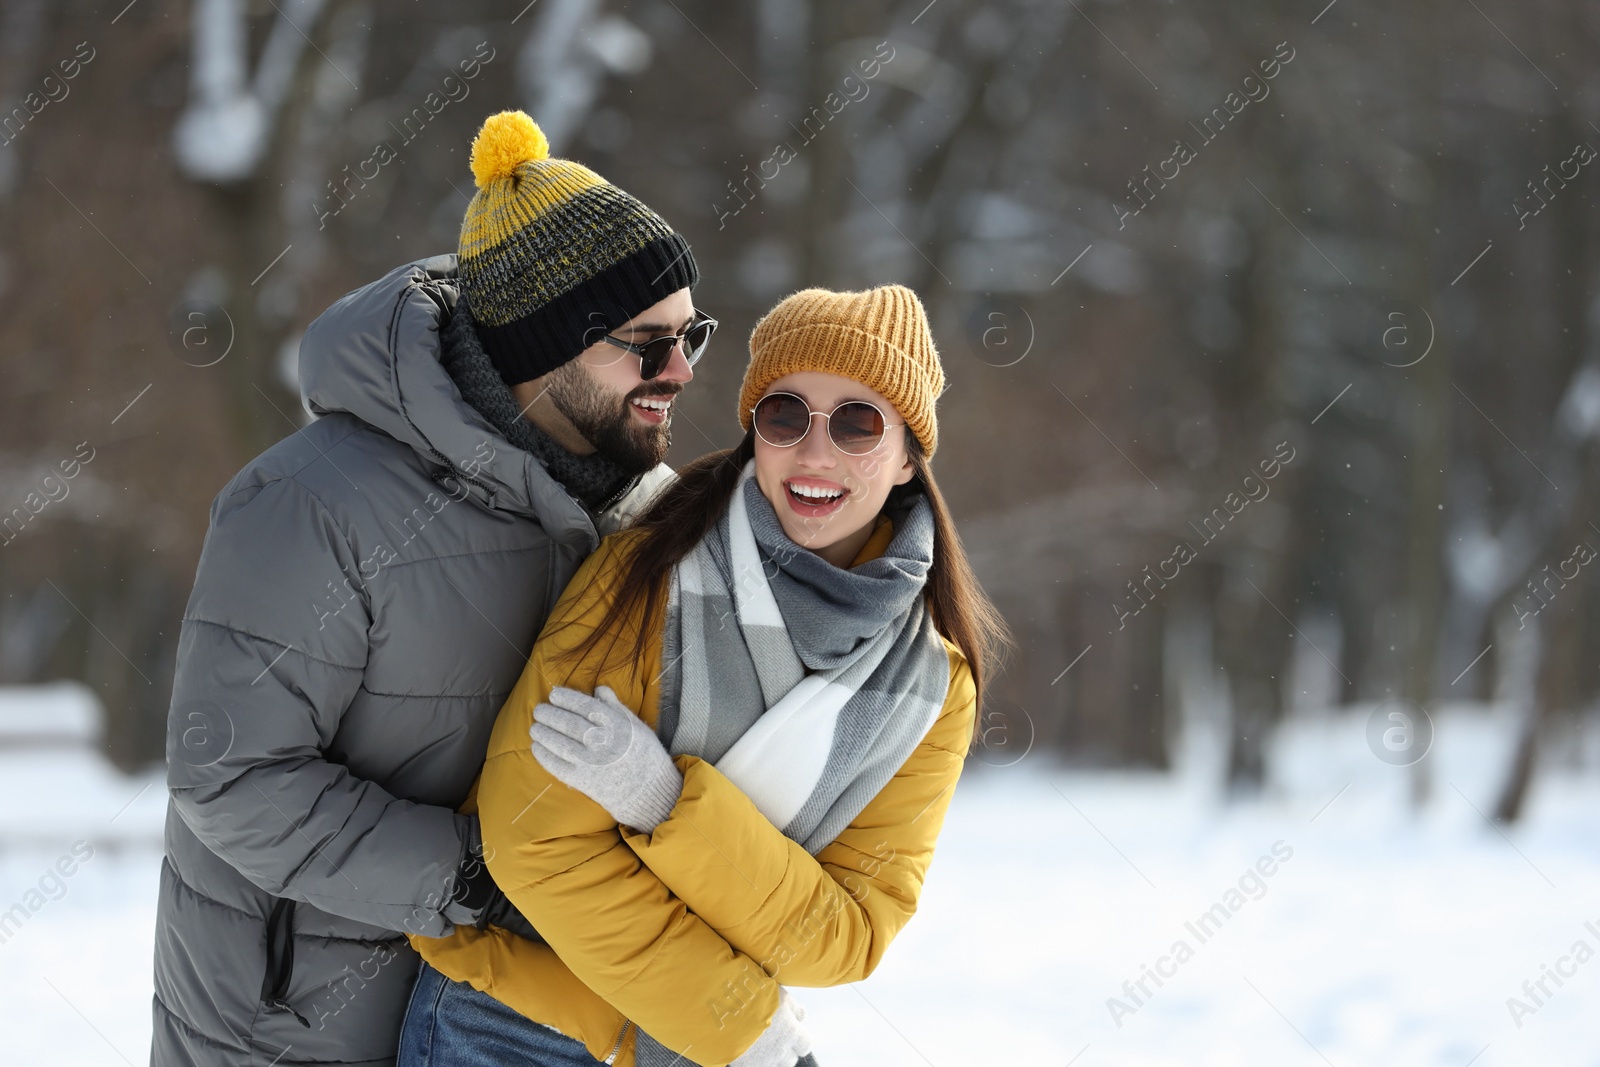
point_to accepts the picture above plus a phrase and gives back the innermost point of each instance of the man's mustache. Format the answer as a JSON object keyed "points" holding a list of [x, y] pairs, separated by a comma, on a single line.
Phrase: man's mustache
{"points": [[647, 392]]}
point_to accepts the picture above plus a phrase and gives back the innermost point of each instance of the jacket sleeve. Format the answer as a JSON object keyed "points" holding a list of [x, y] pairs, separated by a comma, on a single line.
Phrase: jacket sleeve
{"points": [[272, 650], [823, 920], [559, 857]]}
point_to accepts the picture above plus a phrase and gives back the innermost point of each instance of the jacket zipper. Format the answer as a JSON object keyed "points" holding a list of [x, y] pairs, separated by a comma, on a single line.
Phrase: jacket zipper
{"points": [[618, 1046], [461, 475], [280, 959], [627, 487]]}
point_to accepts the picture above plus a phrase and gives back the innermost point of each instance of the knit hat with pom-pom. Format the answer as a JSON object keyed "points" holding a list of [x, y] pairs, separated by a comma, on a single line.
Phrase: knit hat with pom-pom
{"points": [[552, 255]]}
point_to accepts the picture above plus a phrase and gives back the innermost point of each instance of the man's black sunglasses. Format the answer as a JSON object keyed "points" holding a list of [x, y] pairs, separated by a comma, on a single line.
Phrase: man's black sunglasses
{"points": [[654, 353]]}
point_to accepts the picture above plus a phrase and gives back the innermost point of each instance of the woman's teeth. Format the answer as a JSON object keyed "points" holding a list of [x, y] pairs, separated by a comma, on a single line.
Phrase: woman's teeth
{"points": [[812, 492]]}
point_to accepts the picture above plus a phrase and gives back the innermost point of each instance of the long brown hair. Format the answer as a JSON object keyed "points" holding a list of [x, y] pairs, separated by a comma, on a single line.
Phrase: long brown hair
{"points": [[686, 510]]}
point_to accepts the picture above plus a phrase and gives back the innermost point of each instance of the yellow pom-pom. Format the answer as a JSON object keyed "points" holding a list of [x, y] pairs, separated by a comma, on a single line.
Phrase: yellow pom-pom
{"points": [[506, 141]]}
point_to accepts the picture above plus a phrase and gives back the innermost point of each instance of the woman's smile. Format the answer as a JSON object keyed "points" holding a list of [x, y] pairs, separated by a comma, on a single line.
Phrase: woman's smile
{"points": [[813, 498]]}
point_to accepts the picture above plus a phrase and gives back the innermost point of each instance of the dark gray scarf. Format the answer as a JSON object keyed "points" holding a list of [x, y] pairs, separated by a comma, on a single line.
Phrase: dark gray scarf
{"points": [[594, 481]]}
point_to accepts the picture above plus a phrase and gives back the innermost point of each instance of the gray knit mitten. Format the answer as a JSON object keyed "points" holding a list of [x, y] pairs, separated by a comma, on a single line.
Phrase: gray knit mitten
{"points": [[784, 1042], [598, 746]]}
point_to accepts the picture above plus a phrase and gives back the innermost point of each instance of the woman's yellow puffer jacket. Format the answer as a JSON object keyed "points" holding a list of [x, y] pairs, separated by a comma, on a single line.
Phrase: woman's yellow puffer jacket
{"points": [[687, 931]]}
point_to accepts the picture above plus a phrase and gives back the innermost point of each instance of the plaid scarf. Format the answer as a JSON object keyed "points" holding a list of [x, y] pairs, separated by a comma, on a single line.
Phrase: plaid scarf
{"points": [[807, 685]]}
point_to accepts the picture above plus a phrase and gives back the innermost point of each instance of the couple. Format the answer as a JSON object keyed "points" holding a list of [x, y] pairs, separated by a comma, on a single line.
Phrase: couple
{"points": [[468, 674]]}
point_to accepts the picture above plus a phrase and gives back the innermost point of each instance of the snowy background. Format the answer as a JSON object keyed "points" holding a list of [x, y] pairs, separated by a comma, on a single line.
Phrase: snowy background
{"points": [[1389, 935], [1382, 260]]}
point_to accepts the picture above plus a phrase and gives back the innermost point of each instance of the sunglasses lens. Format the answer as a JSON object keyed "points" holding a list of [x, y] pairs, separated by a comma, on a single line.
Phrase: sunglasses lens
{"points": [[655, 356], [856, 428], [695, 341], [782, 419], [653, 359]]}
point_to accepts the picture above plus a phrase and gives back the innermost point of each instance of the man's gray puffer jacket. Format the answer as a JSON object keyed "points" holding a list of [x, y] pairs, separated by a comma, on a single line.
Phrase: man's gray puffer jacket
{"points": [[367, 596]]}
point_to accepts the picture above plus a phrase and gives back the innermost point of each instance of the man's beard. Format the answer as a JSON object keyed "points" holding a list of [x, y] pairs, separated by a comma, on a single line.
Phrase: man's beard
{"points": [[606, 421]]}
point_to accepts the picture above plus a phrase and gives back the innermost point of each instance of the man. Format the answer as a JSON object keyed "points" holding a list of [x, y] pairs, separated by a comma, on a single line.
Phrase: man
{"points": [[369, 591]]}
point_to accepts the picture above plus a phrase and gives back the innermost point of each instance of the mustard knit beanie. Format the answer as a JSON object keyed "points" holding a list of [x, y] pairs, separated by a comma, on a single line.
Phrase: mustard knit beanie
{"points": [[552, 255], [879, 337]]}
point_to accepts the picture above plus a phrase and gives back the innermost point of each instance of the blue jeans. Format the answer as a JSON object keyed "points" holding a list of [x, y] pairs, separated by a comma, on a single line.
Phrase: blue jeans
{"points": [[451, 1024]]}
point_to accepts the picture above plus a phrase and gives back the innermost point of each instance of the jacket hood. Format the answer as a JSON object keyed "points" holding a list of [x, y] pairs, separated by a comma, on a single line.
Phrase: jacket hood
{"points": [[375, 355]]}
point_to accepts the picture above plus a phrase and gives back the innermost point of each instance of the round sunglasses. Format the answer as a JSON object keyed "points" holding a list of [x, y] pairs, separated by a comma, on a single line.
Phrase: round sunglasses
{"points": [[654, 353], [855, 426]]}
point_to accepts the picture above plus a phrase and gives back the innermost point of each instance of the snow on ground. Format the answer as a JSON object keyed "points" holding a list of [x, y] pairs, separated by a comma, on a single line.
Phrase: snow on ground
{"points": [[1379, 937], [1384, 937], [80, 849]]}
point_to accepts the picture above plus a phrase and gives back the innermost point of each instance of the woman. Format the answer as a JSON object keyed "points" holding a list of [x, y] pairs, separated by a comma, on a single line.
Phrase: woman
{"points": [[785, 656]]}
